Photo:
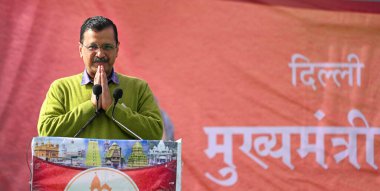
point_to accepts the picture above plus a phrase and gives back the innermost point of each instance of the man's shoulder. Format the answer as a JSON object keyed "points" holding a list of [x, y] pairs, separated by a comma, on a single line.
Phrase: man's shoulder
{"points": [[74, 79], [131, 79]]}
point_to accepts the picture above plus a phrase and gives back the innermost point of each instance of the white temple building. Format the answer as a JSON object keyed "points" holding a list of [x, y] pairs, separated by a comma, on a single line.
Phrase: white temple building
{"points": [[72, 153], [161, 154]]}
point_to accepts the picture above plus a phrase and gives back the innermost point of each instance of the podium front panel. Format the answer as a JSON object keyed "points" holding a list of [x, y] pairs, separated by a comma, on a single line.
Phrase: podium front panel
{"points": [[61, 163]]}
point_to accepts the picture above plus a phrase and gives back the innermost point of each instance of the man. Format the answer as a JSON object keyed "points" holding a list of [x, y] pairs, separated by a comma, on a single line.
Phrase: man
{"points": [[70, 103]]}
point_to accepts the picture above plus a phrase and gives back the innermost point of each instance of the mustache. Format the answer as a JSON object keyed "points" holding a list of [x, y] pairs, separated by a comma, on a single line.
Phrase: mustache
{"points": [[96, 59]]}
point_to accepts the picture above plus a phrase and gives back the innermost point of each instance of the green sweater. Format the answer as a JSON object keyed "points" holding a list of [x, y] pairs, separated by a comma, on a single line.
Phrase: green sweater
{"points": [[67, 107]]}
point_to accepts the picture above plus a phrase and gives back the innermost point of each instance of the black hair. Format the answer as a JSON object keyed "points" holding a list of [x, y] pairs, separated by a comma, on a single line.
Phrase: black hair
{"points": [[97, 23]]}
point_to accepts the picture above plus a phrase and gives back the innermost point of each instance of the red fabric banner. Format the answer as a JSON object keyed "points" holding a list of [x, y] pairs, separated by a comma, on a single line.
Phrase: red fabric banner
{"points": [[50, 176]]}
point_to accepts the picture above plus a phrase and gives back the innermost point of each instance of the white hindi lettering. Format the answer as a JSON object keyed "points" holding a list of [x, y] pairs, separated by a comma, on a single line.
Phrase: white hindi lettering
{"points": [[325, 71], [351, 145], [318, 148], [305, 64], [264, 142], [226, 150]]}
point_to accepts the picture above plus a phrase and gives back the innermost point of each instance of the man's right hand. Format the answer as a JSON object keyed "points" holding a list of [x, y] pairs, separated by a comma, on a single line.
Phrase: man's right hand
{"points": [[105, 99], [97, 80]]}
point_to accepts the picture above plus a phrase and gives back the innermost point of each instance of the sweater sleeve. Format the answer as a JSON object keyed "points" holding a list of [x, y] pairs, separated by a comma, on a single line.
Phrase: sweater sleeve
{"points": [[146, 122], [56, 120]]}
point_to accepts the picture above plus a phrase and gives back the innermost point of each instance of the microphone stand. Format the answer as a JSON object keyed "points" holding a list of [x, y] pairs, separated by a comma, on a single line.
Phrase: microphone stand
{"points": [[87, 123], [97, 90], [117, 122]]}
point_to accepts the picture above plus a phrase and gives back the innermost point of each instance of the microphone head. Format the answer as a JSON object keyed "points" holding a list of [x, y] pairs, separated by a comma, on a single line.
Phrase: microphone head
{"points": [[97, 89], [117, 93]]}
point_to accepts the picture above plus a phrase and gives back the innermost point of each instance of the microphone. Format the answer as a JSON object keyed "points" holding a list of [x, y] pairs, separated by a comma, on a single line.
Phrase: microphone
{"points": [[117, 94], [96, 90]]}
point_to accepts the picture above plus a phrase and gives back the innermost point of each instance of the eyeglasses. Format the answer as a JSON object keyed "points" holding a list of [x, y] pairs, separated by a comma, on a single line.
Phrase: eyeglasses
{"points": [[95, 47]]}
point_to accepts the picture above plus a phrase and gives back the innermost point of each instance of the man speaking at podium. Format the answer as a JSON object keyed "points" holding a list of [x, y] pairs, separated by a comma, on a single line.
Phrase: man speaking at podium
{"points": [[71, 108]]}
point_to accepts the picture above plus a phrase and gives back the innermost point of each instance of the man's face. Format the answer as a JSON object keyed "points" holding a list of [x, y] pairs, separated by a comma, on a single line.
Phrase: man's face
{"points": [[98, 48]]}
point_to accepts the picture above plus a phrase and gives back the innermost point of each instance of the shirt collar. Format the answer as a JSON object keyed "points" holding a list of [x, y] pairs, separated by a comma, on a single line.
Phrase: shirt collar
{"points": [[86, 78]]}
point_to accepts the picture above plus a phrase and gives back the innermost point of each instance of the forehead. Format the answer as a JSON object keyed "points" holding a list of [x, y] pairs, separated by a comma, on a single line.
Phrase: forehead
{"points": [[104, 36]]}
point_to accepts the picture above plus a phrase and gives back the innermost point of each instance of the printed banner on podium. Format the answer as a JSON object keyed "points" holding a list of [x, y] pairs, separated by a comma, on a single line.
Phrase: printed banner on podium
{"points": [[96, 164]]}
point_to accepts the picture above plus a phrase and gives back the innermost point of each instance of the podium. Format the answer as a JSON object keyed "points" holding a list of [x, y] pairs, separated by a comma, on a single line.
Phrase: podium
{"points": [[62, 163]]}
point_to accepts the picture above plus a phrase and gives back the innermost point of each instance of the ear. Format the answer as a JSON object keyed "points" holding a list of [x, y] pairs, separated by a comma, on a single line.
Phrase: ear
{"points": [[117, 49], [80, 49]]}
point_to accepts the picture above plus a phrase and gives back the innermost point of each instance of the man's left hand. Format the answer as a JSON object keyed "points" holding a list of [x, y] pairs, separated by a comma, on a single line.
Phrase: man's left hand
{"points": [[106, 97]]}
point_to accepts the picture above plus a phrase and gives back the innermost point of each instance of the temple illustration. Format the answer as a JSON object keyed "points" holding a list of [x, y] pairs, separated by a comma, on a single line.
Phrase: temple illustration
{"points": [[113, 157], [109, 154], [161, 154], [137, 158], [46, 151], [71, 154], [71, 150], [93, 155]]}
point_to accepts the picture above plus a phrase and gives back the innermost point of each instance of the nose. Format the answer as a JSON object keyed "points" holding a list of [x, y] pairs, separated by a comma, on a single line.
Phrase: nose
{"points": [[100, 53]]}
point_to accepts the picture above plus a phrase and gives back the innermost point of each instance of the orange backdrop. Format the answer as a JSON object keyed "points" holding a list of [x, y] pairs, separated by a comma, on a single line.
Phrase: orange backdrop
{"points": [[288, 89]]}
